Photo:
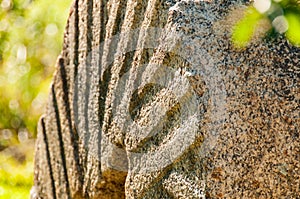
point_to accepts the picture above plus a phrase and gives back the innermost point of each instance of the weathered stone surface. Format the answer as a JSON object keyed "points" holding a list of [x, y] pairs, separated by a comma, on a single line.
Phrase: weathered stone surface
{"points": [[151, 100]]}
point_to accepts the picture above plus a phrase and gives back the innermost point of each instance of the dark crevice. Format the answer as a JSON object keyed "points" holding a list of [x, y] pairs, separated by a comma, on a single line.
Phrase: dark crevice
{"points": [[163, 172], [105, 70], [76, 38], [48, 157], [166, 126], [61, 142], [76, 61], [103, 87], [102, 29], [129, 55], [116, 29], [126, 63], [73, 134], [76, 64], [120, 17], [147, 53], [105, 79], [141, 97], [133, 40]]}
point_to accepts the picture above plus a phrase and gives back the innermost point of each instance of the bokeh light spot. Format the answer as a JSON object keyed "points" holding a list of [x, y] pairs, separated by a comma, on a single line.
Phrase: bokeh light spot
{"points": [[6, 134], [13, 104], [23, 135], [262, 6], [22, 53], [280, 24], [5, 4], [51, 29]]}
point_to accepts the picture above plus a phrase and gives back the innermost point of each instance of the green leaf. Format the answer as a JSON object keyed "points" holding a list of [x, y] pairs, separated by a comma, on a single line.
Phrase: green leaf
{"points": [[293, 33], [244, 29]]}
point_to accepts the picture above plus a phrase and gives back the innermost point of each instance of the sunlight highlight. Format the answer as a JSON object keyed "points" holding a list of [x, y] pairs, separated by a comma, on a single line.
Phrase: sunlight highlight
{"points": [[262, 6]]}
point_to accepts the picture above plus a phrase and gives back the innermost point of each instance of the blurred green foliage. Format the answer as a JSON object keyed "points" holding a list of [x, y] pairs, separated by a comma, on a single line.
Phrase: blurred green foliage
{"points": [[16, 171], [31, 34], [283, 17]]}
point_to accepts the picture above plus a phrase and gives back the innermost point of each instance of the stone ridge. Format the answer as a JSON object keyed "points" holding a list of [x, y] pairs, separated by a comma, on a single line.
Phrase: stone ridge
{"points": [[151, 100]]}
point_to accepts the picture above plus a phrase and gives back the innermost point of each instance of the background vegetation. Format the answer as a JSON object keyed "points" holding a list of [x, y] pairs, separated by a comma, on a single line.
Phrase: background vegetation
{"points": [[31, 34], [277, 17]]}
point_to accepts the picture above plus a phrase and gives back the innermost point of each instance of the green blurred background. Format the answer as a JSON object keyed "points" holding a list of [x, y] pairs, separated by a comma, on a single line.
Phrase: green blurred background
{"points": [[31, 33], [268, 18]]}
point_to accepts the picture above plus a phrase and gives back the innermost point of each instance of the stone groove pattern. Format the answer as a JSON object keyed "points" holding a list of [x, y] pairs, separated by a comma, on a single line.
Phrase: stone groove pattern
{"points": [[250, 149]]}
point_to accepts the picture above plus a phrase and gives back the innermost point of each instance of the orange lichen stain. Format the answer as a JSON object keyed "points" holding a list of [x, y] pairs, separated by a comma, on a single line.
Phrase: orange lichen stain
{"points": [[220, 195], [217, 173]]}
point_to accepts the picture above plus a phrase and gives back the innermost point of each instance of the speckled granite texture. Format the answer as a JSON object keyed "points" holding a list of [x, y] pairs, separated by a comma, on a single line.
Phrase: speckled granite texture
{"points": [[151, 100]]}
